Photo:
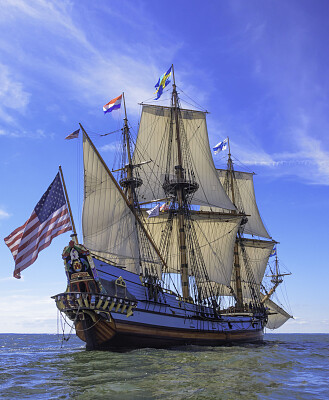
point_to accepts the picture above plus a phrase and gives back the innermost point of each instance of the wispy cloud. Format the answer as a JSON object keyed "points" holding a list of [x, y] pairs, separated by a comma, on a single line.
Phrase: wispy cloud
{"points": [[4, 214], [284, 128], [111, 147], [13, 97], [81, 64]]}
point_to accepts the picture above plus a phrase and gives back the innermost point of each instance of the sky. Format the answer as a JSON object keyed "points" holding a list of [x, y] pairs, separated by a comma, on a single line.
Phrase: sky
{"points": [[259, 67]]}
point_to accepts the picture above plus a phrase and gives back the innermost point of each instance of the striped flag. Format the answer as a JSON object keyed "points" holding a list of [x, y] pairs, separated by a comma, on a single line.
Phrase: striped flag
{"points": [[49, 219], [113, 104], [73, 135]]}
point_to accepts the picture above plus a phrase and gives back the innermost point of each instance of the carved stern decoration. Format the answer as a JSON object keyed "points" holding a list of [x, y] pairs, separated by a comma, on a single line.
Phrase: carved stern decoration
{"points": [[87, 302]]}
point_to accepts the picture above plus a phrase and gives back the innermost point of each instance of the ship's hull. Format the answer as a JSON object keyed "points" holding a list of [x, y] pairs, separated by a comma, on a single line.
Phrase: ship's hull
{"points": [[131, 313], [127, 336]]}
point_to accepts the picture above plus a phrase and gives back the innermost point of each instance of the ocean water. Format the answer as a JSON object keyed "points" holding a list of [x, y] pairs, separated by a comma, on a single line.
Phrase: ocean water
{"points": [[286, 366]]}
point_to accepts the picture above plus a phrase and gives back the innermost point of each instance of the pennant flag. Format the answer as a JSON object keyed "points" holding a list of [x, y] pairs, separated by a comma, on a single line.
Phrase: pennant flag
{"points": [[273, 252], [114, 104], [220, 146], [162, 83], [73, 135], [49, 219], [154, 212]]}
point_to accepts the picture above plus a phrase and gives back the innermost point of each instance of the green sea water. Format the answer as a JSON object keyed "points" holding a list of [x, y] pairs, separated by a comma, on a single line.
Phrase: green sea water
{"points": [[286, 366]]}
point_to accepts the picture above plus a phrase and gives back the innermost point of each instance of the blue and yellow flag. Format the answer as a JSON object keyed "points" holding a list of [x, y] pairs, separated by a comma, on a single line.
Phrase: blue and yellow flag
{"points": [[162, 83]]}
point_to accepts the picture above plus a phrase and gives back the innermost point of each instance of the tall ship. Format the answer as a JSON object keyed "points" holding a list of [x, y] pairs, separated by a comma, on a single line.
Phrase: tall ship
{"points": [[174, 250]]}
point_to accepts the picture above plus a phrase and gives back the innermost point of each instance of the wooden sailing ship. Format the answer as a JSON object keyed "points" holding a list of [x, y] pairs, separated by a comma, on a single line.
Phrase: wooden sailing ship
{"points": [[191, 275]]}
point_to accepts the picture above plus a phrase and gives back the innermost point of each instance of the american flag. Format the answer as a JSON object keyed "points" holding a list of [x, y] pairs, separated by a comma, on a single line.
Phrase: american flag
{"points": [[49, 219]]}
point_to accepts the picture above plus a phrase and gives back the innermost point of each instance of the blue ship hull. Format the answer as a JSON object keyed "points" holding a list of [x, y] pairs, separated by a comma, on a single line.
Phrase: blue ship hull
{"points": [[132, 313]]}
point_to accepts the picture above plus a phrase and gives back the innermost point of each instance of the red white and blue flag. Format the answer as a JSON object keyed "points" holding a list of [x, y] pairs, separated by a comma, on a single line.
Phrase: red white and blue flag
{"points": [[113, 104], [73, 135], [49, 219]]}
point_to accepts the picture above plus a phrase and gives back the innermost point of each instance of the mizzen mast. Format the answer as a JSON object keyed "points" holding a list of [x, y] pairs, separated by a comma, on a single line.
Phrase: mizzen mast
{"points": [[277, 278]]}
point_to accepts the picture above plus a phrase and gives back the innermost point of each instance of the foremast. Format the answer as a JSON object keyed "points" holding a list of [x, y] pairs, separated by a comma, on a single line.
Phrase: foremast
{"points": [[128, 181]]}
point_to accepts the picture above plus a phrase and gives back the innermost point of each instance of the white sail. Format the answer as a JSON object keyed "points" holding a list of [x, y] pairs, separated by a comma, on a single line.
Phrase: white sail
{"points": [[216, 237], [277, 315], [255, 260], [258, 253], [245, 200], [245, 193], [109, 228], [153, 144]]}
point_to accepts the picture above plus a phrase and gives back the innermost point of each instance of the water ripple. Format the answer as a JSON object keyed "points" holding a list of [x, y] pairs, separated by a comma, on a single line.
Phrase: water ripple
{"points": [[284, 367]]}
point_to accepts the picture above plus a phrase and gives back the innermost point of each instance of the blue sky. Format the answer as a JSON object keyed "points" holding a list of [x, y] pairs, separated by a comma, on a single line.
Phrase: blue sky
{"points": [[259, 67]]}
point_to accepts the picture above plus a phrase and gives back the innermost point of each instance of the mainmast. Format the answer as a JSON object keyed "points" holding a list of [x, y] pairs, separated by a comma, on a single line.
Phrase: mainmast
{"points": [[180, 198], [237, 267]]}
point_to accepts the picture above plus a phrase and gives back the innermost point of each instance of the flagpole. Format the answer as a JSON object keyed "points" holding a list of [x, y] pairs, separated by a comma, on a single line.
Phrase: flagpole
{"points": [[173, 74], [124, 104], [229, 148], [68, 203]]}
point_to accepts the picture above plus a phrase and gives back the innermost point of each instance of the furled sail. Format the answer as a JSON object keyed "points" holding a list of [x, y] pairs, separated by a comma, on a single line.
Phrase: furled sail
{"points": [[109, 226], [153, 144], [216, 237], [255, 260], [277, 315]]}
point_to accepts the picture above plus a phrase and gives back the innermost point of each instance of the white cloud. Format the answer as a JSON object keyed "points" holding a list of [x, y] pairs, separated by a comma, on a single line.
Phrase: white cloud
{"points": [[81, 65], [3, 214], [110, 147], [13, 97]]}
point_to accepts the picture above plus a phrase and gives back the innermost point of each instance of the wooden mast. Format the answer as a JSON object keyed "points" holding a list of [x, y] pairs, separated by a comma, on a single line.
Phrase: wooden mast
{"points": [[237, 267], [129, 166], [276, 279], [180, 199]]}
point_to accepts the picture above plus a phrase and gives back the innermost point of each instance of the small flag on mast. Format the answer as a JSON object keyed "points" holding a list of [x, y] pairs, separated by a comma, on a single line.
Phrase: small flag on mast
{"points": [[220, 146], [154, 212], [49, 219], [273, 252], [113, 104], [165, 206], [73, 135], [162, 83]]}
